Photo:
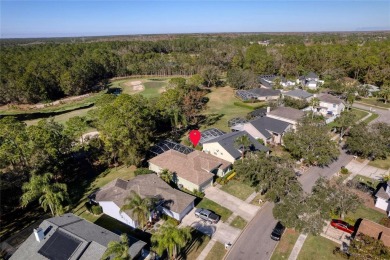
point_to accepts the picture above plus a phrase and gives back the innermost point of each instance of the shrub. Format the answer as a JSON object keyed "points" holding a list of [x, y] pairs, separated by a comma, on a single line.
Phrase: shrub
{"points": [[88, 206], [344, 171], [218, 180], [142, 171], [96, 210], [385, 221]]}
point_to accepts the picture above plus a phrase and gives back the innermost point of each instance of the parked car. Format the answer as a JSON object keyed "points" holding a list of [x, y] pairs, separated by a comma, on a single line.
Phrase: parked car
{"points": [[207, 215], [278, 231], [342, 225]]}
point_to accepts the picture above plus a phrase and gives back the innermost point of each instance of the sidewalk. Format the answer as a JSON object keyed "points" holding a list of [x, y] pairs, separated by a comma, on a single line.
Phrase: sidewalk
{"points": [[358, 168], [297, 247]]}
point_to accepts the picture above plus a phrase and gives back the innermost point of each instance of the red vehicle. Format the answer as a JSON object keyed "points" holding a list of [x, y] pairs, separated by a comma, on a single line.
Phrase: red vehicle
{"points": [[342, 225]]}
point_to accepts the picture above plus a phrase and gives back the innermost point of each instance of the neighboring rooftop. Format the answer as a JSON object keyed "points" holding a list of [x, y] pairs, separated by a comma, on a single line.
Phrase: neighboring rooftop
{"points": [[375, 230], [381, 193], [148, 185], [210, 134], [264, 92], [71, 237], [167, 145], [299, 93], [236, 121], [258, 113], [312, 75], [330, 99], [287, 113], [227, 141], [265, 125]]}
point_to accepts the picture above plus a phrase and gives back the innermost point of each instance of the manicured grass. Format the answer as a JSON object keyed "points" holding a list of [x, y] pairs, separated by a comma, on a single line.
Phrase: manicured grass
{"points": [[371, 118], [218, 209], [217, 252], [220, 108], [359, 113], [319, 248], [364, 212], [238, 222], [285, 245], [374, 101], [195, 246], [153, 89], [238, 189], [63, 117], [256, 200], [383, 164]]}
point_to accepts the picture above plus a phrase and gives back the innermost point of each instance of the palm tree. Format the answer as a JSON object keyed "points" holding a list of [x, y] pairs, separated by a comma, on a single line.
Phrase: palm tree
{"points": [[314, 103], [166, 176], [50, 195], [120, 249], [241, 143], [140, 207], [171, 238], [385, 92]]}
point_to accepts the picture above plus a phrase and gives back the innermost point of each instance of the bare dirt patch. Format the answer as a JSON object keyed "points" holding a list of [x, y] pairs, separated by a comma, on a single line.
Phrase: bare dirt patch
{"points": [[138, 87], [132, 83]]}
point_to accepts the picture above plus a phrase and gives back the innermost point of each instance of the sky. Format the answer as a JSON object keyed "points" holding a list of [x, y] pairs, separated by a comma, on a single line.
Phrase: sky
{"points": [[29, 18]]}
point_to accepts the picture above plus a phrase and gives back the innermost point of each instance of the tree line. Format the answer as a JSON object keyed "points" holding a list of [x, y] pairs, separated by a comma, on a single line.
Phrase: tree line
{"points": [[41, 72]]}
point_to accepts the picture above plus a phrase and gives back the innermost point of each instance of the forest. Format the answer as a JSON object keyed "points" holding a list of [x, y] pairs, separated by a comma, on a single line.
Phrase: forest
{"points": [[41, 71]]}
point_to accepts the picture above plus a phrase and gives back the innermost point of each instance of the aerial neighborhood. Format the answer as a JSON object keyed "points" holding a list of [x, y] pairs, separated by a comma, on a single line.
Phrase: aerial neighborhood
{"points": [[195, 147]]}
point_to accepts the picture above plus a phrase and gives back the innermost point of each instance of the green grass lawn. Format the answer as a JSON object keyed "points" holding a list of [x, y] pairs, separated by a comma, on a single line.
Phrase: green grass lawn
{"points": [[153, 88], [319, 248], [364, 212], [383, 164], [194, 247], [285, 245], [217, 252], [367, 180], [371, 118], [218, 209], [359, 113], [220, 108], [238, 189], [238, 222], [374, 101]]}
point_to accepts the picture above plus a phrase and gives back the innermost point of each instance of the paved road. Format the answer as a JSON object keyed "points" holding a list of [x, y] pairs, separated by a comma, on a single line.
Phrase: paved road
{"points": [[255, 242], [384, 114]]}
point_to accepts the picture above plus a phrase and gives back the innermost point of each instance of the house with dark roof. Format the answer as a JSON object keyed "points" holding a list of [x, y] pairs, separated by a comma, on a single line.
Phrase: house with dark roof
{"points": [[268, 129], [382, 197], [71, 237], [375, 230], [224, 147], [210, 134], [269, 81], [193, 171], [298, 94], [287, 114], [311, 80], [257, 113], [171, 202], [264, 94], [330, 105]]}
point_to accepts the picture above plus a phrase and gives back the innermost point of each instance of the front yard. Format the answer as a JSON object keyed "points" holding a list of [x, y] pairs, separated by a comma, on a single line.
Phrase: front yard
{"points": [[217, 252], [285, 245], [218, 209], [238, 222], [319, 248], [374, 102], [383, 164], [238, 189]]}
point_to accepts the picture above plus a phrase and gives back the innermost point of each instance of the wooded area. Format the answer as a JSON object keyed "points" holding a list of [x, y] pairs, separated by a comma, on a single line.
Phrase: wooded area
{"points": [[40, 72]]}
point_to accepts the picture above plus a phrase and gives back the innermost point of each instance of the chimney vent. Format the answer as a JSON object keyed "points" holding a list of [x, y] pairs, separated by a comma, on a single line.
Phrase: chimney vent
{"points": [[39, 236]]}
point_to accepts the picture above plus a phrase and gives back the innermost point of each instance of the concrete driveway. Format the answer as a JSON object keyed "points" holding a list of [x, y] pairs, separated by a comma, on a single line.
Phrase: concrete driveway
{"points": [[243, 209], [222, 232]]}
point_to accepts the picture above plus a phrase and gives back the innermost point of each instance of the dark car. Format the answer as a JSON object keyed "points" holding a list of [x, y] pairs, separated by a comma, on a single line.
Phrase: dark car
{"points": [[342, 225], [277, 232]]}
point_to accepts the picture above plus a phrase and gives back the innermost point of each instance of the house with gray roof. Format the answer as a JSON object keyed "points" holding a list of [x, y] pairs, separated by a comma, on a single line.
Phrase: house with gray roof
{"points": [[70, 237], [311, 81], [224, 147], [268, 129], [171, 202], [264, 94], [298, 94], [382, 197], [287, 114], [330, 105]]}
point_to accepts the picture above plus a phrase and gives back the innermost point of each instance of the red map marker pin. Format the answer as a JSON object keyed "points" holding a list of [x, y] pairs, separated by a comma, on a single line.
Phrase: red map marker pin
{"points": [[195, 137]]}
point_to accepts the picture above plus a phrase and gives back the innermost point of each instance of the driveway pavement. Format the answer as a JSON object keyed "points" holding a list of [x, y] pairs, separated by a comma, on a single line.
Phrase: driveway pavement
{"points": [[243, 209], [221, 232]]}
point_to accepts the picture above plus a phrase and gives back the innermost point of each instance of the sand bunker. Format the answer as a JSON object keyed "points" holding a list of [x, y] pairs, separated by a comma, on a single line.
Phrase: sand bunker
{"points": [[138, 87], [136, 83]]}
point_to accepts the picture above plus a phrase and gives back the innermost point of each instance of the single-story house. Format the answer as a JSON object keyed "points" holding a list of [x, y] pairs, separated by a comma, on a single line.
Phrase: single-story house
{"points": [[330, 105], [382, 197], [287, 114], [264, 93], [268, 129], [71, 237], [224, 147], [298, 94], [172, 202], [193, 171], [375, 230]]}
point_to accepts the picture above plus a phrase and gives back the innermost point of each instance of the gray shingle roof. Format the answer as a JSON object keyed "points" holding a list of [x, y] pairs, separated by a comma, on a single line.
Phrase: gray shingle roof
{"points": [[288, 113], [227, 142], [312, 75], [381, 193], [266, 124], [94, 239], [298, 93], [330, 99], [264, 92], [265, 83]]}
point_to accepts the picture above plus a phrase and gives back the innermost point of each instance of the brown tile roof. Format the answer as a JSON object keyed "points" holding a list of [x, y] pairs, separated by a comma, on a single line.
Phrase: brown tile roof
{"points": [[330, 99], [148, 185], [375, 230], [288, 113], [194, 167]]}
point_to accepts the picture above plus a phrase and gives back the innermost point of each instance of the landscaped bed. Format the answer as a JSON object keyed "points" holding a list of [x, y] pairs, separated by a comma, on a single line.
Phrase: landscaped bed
{"points": [[238, 189], [285, 245], [218, 209]]}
